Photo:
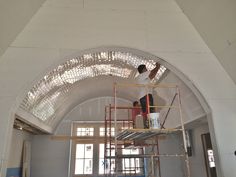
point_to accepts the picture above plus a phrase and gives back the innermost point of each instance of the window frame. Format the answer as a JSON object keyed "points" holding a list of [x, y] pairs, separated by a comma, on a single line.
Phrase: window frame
{"points": [[96, 140], [84, 158]]}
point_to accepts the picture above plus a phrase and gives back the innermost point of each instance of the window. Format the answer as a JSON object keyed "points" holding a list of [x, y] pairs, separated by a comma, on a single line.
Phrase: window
{"points": [[131, 165], [87, 131], [91, 157], [127, 125], [110, 131], [84, 159], [108, 166]]}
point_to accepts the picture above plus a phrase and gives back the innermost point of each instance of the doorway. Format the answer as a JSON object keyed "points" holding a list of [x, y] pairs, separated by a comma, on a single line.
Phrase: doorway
{"points": [[208, 155]]}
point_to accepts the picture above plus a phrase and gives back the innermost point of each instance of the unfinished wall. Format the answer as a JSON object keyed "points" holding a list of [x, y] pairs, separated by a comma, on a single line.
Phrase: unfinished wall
{"points": [[14, 15], [14, 167], [52, 157], [94, 109], [49, 158], [215, 21], [190, 105], [156, 26], [172, 144], [197, 160]]}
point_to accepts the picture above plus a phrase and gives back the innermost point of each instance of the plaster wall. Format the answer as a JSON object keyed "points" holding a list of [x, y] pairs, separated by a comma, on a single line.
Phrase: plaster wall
{"points": [[156, 26]]}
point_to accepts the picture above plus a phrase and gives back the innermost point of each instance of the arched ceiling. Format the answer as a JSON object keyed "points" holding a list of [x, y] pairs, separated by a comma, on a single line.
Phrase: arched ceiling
{"points": [[80, 78]]}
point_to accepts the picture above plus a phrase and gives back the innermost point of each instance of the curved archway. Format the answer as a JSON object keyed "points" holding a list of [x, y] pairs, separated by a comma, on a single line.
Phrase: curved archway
{"points": [[144, 55], [104, 64]]}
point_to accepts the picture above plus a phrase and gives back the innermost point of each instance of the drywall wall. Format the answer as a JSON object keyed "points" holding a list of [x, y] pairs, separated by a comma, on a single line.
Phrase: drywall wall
{"points": [[192, 110], [52, 157], [14, 15], [94, 109], [49, 157], [16, 152], [155, 26], [197, 160], [215, 21]]}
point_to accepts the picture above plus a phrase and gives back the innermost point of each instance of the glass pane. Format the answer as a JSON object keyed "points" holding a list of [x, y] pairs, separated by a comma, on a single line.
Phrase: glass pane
{"points": [[127, 163], [79, 151], [79, 166], [112, 150], [88, 166], [78, 132], [112, 131], [101, 150], [126, 151], [112, 165], [101, 166], [134, 151], [89, 151], [109, 166], [137, 165], [102, 133], [85, 131], [109, 131], [132, 163]]}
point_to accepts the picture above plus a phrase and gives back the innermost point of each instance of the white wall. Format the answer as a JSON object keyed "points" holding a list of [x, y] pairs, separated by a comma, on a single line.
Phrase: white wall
{"points": [[215, 21], [172, 166], [16, 150], [197, 160], [191, 107], [172, 144], [14, 15], [94, 109], [160, 27], [49, 157]]}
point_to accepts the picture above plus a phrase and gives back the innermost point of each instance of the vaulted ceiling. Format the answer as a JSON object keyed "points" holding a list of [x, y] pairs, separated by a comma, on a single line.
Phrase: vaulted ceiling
{"points": [[217, 29], [62, 27]]}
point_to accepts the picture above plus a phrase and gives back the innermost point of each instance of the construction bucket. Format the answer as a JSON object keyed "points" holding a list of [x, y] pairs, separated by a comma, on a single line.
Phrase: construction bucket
{"points": [[154, 120]]}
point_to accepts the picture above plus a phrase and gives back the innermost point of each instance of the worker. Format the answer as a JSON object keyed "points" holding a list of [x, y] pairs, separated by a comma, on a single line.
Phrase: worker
{"points": [[135, 112], [145, 93]]}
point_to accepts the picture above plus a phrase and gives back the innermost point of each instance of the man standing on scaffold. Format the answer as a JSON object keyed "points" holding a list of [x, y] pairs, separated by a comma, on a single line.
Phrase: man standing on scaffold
{"points": [[145, 94]]}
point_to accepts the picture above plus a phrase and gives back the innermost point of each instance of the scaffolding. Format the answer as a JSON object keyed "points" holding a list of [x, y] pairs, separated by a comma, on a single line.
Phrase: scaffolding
{"points": [[121, 134]]}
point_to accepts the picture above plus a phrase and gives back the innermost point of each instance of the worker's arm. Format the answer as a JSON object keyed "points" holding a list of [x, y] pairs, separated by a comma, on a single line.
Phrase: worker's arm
{"points": [[154, 71]]}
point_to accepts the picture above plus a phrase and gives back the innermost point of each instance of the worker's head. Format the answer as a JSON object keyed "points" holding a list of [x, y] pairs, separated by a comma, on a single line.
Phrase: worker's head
{"points": [[142, 69], [135, 104]]}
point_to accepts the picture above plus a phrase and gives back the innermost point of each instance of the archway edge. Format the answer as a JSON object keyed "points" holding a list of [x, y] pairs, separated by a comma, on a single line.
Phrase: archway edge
{"points": [[133, 51], [138, 52]]}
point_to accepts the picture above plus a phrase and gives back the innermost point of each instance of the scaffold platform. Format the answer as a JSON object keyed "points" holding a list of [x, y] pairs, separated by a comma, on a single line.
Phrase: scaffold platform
{"points": [[143, 134]]}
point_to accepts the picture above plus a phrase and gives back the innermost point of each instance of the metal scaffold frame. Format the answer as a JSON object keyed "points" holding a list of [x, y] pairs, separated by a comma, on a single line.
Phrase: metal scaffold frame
{"points": [[131, 136]]}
